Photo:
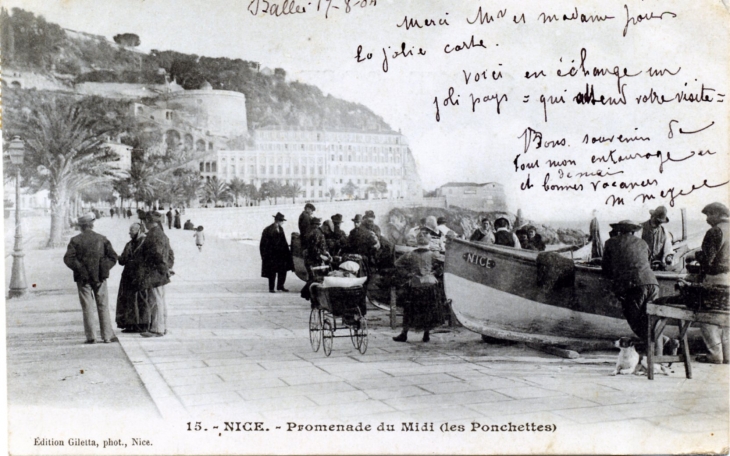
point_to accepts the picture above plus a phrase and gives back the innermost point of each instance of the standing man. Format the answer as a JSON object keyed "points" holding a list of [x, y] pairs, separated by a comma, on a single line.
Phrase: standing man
{"points": [[90, 256], [169, 218], [626, 263], [714, 258], [156, 259], [594, 237], [275, 254], [316, 254], [656, 237], [375, 228], [305, 220], [337, 244]]}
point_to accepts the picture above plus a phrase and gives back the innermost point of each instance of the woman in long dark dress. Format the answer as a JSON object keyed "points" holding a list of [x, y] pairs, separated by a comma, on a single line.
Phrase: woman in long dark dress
{"points": [[423, 296], [131, 301], [178, 225]]}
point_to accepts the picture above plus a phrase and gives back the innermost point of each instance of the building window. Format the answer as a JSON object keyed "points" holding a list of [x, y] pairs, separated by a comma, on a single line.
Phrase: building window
{"points": [[333, 157], [320, 184], [320, 193], [278, 170], [296, 170], [202, 167], [271, 169], [263, 169], [213, 167], [207, 167], [311, 184], [320, 170]]}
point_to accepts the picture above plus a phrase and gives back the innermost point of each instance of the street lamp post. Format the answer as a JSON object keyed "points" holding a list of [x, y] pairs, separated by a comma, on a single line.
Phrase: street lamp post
{"points": [[18, 286]]}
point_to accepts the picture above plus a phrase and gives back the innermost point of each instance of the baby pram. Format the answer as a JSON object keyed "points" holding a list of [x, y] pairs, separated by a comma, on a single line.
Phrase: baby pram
{"points": [[338, 297]]}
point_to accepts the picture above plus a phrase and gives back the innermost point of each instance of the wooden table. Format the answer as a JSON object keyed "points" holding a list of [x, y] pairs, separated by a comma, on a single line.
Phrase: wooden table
{"points": [[659, 314]]}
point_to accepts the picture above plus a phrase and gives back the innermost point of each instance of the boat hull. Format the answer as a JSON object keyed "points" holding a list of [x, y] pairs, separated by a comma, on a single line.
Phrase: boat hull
{"points": [[497, 291]]}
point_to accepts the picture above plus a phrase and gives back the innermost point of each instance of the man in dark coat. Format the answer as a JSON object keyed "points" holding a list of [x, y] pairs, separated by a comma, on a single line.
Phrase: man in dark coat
{"points": [[275, 254], [90, 256], [363, 240], [338, 242], [169, 219], [714, 258], [626, 263], [305, 220], [156, 259]]}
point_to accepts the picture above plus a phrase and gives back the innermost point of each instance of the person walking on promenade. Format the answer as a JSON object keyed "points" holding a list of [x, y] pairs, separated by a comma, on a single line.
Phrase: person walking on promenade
{"points": [[422, 303], [594, 237], [199, 238], [714, 259], [656, 237], [305, 220], [276, 258], [132, 313], [177, 223], [111, 212], [156, 259], [90, 256], [626, 263], [169, 218]]}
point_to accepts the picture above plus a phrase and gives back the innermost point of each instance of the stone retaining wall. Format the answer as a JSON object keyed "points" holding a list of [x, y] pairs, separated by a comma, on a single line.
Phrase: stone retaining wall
{"points": [[249, 222]]}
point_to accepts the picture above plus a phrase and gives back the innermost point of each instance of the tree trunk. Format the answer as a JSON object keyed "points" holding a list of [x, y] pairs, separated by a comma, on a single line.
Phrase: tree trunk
{"points": [[58, 216]]}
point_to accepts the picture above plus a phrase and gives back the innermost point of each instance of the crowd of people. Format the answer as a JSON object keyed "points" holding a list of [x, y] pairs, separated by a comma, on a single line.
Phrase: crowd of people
{"points": [[147, 260]]}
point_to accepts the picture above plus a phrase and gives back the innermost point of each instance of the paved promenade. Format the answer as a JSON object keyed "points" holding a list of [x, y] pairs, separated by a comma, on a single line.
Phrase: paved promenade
{"points": [[236, 351]]}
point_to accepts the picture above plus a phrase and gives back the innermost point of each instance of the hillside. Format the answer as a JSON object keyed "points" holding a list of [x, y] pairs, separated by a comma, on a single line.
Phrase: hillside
{"points": [[32, 45]]}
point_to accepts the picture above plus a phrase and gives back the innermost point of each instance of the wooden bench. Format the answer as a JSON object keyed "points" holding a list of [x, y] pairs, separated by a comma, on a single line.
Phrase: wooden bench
{"points": [[659, 314]]}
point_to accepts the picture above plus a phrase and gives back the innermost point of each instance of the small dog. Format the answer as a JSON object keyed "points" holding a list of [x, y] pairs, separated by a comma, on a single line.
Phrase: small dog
{"points": [[631, 362], [628, 358]]}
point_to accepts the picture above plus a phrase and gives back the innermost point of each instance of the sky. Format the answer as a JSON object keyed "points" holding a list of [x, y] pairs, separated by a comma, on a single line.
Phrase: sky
{"points": [[471, 141]]}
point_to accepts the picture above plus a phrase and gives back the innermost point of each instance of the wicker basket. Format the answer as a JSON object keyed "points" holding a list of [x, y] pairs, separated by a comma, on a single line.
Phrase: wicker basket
{"points": [[698, 296]]}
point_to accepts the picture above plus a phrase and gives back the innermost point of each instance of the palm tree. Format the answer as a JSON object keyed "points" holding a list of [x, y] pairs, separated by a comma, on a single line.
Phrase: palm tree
{"points": [[141, 181], [64, 151], [236, 187], [215, 190]]}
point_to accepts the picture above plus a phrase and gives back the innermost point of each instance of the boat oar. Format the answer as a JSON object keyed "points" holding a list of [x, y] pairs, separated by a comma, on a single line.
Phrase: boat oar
{"points": [[553, 350]]}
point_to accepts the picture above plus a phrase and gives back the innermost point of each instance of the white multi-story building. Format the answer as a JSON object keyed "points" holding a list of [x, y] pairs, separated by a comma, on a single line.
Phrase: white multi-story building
{"points": [[317, 161]]}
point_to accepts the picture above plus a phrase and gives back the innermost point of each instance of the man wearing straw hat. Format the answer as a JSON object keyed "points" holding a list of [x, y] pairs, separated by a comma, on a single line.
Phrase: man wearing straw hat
{"points": [[276, 257], [626, 262], [90, 256]]}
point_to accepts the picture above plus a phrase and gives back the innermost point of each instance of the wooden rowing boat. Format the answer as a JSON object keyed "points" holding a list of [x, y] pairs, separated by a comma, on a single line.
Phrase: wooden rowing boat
{"points": [[507, 293]]}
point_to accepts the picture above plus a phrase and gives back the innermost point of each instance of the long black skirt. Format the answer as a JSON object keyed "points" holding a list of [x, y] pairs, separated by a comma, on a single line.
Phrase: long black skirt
{"points": [[132, 309], [422, 308]]}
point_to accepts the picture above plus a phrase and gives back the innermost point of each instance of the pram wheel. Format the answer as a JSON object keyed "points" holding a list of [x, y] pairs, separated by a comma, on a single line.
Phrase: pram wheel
{"points": [[362, 336], [315, 329], [328, 335]]}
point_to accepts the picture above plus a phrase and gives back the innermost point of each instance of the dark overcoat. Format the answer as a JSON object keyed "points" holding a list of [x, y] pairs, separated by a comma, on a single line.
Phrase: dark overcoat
{"points": [[305, 222], [275, 252], [156, 258], [90, 256], [130, 312], [626, 262]]}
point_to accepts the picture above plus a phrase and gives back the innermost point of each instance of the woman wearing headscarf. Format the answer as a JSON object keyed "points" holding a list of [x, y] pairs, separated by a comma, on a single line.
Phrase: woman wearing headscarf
{"points": [[423, 296], [131, 300]]}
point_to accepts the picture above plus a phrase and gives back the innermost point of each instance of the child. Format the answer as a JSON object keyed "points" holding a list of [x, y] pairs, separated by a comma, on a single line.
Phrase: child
{"points": [[199, 238]]}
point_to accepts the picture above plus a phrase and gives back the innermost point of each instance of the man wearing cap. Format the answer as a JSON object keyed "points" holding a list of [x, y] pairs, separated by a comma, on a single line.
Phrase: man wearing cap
{"points": [[364, 240], [90, 256], [656, 237], [483, 233], [714, 258], [337, 242], [316, 253], [305, 220], [275, 254], [156, 259], [626, 263], [371, 216]]}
